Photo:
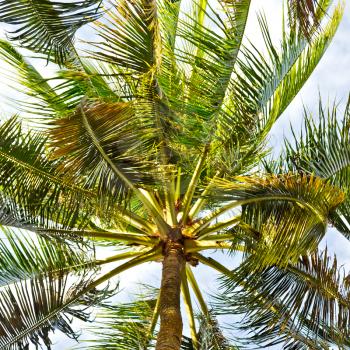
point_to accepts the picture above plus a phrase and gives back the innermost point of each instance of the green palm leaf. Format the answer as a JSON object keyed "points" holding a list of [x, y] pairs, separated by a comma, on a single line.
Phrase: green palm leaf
{"points": [[286, 213], [130, 36], [195, 76], [270, 87], [126, 325], [59, 95], [310, 192], [31, 81], [29, 180], [23, 257], [251, 103], [93, 81], [306, 15], [132, 47], [213, 67], [305, 304], [284, 233], [48, 26], [324, 151], [31, 310], [210, 336], [106, 143]]}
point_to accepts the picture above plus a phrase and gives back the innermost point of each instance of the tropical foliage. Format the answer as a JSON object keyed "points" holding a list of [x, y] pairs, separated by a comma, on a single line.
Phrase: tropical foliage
{"points": [[147, 142]]}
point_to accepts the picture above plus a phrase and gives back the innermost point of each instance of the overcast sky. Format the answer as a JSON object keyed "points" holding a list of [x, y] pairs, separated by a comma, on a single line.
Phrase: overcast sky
{"points": [[331, 78]]}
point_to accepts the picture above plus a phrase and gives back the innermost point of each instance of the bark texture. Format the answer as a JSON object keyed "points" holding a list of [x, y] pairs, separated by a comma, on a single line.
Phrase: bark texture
{"points": [[170, 332]]}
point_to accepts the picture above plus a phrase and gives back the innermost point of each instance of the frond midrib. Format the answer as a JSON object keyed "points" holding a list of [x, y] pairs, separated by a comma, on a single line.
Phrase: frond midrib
{"points": [[46, 175]]}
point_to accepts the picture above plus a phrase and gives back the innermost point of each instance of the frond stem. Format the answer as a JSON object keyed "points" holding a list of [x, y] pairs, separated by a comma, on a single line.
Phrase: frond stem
{"points": [[45, 175], [189, 309], [200, 202], [197, 291], [193, 184], [213, 264], [178, 185], [150, 255], [155, 318], [136, 221], [206, 221], [170, 202], [162, 225], [215, 228], [127, 237], [118, 257], [196, 246]]}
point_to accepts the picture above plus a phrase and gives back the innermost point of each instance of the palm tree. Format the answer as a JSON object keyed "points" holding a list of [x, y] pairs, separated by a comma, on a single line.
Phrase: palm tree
{"points": [[151, 146]]}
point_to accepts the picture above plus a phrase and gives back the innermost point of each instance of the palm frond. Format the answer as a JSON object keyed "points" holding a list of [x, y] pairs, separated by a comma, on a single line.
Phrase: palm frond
{"points": [[168, 16], [287, 214], [305, 14], [126, 325], [212, 69], [31, 81], [39, 219], [98, 236], [210, 336], [97, 82], [293, 78], [31, 310], [107, 145], [196, 85], [23, 257], [29, 180], [132, 47], [284, 232], [59, 95], [95, 79], [265, 87], [48, 26], [260, 90], [305, 304], [324, 150], [130, 36], [309, 191], [75, 85]]}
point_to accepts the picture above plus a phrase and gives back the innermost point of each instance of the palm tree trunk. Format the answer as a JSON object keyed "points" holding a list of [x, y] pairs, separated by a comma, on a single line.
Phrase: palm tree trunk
{"points": [[170, 333]]}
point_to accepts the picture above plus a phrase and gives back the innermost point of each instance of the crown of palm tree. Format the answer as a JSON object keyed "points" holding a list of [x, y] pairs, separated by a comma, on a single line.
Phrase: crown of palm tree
{"points": [[152, 143]]}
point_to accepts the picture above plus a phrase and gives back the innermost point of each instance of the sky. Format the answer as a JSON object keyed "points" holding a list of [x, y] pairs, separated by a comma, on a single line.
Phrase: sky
{"points": [[331, 79]]}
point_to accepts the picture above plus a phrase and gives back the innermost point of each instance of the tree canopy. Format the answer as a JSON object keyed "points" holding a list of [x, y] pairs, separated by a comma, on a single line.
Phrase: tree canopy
{"points": [[149, 143]]}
